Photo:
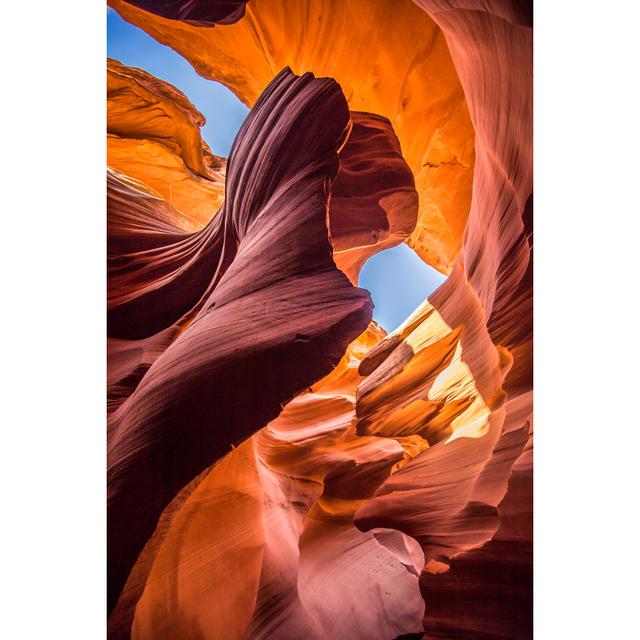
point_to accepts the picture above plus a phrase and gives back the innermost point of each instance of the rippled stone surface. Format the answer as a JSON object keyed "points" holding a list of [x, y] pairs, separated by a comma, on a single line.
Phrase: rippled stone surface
{"points": [[263, 481]]}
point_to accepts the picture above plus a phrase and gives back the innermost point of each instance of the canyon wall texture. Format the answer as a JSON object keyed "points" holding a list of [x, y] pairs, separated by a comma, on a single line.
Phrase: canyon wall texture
{"points": [[279, 466]]}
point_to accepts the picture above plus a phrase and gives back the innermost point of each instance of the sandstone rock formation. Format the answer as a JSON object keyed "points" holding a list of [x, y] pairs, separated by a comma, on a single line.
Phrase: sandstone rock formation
{"points": [[252, 342], [390, 59], [263, 481], [153, 135]]}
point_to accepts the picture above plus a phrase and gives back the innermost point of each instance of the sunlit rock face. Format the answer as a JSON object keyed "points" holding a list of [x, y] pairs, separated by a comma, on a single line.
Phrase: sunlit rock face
{"points": [[279, 467], [390, 59], [233, 291], [491, 45], [153, 135]]}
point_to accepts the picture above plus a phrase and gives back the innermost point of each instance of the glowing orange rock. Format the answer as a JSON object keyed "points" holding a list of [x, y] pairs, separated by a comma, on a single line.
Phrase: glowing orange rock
{"points": [[287, 498], [414, 454], [446, 497], [492, 44], [154, 137], [239, 287], [390, 59]]}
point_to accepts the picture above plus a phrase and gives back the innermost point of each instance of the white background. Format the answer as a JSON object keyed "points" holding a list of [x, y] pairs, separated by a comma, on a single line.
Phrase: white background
{"points": [[52, 216]]}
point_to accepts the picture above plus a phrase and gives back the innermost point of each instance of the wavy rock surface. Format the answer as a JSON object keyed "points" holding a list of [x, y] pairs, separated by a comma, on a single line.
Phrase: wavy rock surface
{"points": [[282, 566], [140, 226], [253, 342], [393, 495], [390, 59], [374, 204], [153, 136], [491, 43]]}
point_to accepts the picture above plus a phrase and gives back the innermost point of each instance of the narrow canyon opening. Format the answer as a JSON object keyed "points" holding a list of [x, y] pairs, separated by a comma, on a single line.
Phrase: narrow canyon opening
{"points": [[398, 281]]}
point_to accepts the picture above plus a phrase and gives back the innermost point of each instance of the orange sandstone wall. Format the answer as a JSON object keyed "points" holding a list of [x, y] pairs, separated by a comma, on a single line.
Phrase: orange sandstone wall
{"points": [[389, 58], [393, 495]]}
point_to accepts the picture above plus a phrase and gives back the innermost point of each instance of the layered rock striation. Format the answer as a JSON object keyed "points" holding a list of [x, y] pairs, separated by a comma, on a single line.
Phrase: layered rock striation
{"points": [[279, 467]]}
